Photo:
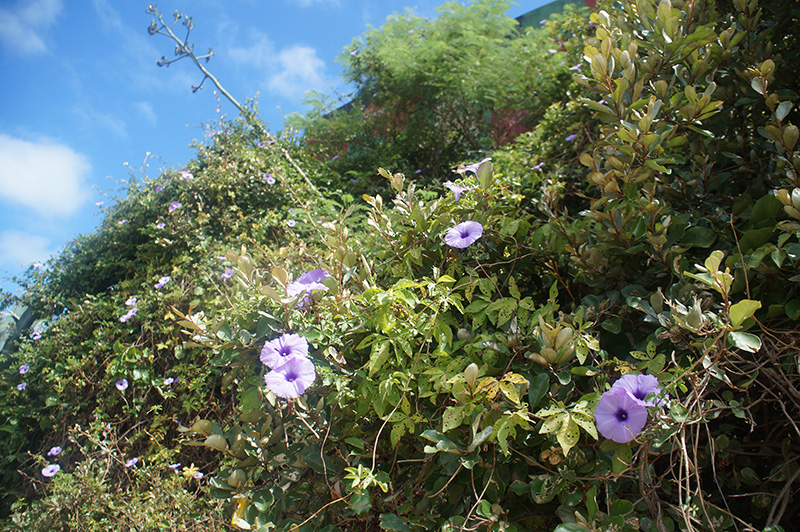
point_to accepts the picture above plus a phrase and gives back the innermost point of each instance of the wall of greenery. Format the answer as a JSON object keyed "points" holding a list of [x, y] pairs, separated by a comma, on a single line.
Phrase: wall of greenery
{"points": [[595, 329]]}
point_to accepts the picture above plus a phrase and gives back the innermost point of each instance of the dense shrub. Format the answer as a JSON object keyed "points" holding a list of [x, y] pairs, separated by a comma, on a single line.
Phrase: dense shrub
{"points": [[472, 338]]}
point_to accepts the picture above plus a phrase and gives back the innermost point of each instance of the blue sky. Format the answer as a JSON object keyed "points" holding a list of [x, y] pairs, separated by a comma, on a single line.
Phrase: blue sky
{"points": [[83, 102]]}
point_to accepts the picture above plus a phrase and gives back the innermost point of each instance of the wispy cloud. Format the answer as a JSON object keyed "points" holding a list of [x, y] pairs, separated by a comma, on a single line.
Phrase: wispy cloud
{"points": [[45, 176], [146, 111], [301, 71], [289, 72], [21, 26], [17, 247]]}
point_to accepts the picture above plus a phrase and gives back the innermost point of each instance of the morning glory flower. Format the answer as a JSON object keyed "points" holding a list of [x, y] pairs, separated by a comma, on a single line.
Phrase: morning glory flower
{"points": [[575, 67], [619, 416], [36, 334], [227, 274], [163, 281], [159, 188], [132, 462], [175, 466], [307, 283], [51, 470], [291, 223], [122, 385], [23, 369], [186, 175], [174, 205], [292, 378], [639, 387], [198, 475], [570, 138], [473, 167], [131, 301], [21, 386], [161, 225], [269, 179], [168, 381], [128, 315], [54, 451], [278, 351], [122, 222], [457, 189], [463, 235], [538, 166], [99, 203]]}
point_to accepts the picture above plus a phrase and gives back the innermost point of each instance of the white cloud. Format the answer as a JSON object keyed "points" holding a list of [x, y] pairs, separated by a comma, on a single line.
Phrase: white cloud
{"points": [[290, 72], [308, 3], [146, 111], [17, 247], [45, 176], [21, 26]]}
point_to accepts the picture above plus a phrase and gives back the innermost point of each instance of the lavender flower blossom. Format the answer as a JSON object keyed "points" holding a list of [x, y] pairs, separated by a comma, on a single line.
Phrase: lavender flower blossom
{"points": [[571, 138], [463, 235], [131, 301], [291, 223], [132, 462], [269, 179], [278, 351], [23, 369], [619, 416], [51, 470], [163, 281], [161, 225], [639, 387], [457, 189], [21, 386], [307, 283], [122, 385], [227, 274], [473, 167], [292, 378], [128, 315], [174, 205], [186, 175], [54, 451]]}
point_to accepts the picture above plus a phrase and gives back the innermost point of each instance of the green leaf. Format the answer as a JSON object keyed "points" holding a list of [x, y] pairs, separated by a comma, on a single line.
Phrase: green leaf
{"points": [[567, 435], [378, 356], [746, 341], [452, 418], [539, 386], [393, 522], [360, 502], [742, 310]]}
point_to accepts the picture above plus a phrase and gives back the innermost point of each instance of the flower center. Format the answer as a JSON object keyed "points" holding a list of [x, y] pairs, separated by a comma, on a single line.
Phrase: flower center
{"points": [[464, 233], [622, 415], [285, 351], [291, 376]]}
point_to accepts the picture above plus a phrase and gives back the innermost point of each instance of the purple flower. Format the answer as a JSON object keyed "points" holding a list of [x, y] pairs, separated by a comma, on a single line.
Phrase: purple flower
{"points": [[163, 281], [132, 462], [122, 385], [473, 167], [51, 470], [570, 138], [175, 466], [463, 235], [354, 52], [161, 225], [131, 301], [128, 315], [619, 416], [335, 157], [168, 381], [36, 265], [99, 203], [36, 334], [122, 222], [292, 378], [269, 179], [198, 475], [54, 451], [159, 188], [23, 369], [278, 351], [552, 51], [227, 274], [260, 144], [174, 205], [457, 189], [538, 166], [291, 223], [186, 175], [575, 67], [21, 386], [639, 387], [307, 283]]}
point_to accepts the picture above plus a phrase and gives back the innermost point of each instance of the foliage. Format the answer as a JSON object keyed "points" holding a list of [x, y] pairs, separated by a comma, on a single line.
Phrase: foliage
{"points": [[428, 93], [650, 225]]}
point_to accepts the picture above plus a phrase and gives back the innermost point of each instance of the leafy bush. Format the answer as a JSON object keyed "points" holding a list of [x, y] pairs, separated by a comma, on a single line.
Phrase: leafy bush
{"points": [[593, 330]]}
